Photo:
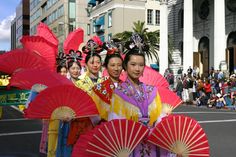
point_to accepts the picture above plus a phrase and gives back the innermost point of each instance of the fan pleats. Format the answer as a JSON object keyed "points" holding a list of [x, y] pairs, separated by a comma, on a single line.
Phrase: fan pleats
{"points": [[181, 135], [19, 59], [42, 47], [115, 138], [24, 80], [61, 96]]}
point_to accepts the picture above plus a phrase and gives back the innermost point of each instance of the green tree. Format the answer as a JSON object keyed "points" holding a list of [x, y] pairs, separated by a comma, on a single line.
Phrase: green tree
{"points": [[152, 39]]}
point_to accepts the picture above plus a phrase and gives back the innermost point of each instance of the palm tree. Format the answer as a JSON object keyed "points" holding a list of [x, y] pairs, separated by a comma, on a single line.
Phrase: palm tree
{"points": [[150, 38]]}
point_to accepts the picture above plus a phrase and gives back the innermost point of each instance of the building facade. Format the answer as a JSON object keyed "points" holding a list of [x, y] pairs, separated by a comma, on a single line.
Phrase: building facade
{"points": [[109, 17], [13, 34], [62, 16], [20, 25], [152, 15], [204, 34]]}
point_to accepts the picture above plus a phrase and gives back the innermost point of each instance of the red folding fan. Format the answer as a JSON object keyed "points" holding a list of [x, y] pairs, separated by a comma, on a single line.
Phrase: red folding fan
{"points": [[44, 31], [25, 79], [114, 138], [169, 100], [181, 135], [73, 40], [21, 59], [61, 102], [154, 78], [42, 47]]}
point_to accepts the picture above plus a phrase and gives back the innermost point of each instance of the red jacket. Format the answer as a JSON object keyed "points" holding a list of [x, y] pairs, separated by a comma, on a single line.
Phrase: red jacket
{"points": [[207, 87]]}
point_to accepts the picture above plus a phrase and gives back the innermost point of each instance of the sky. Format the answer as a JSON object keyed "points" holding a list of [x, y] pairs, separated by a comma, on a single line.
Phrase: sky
{"points": [[7, 13]]}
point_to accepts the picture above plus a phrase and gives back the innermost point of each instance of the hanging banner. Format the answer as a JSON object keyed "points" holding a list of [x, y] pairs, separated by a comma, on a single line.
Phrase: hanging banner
{"points": [[13, 97]]}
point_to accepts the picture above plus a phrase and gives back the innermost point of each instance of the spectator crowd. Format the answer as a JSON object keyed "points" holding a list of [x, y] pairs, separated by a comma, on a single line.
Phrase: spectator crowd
{"points": [[215, 90]]}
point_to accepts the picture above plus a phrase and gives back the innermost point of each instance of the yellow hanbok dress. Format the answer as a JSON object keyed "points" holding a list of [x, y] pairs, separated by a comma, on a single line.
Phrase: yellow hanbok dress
{"points": [[82, 125]]}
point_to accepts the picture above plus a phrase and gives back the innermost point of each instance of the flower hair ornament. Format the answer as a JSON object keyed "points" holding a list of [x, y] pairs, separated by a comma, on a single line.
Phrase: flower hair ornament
{"points": [[111, 47], [74, 55], [61, 59], [136, 42], [93, 45]]}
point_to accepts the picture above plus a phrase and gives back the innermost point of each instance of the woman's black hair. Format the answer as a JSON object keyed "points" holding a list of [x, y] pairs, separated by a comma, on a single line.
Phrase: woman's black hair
{"points": [[108, 57], [90, 55], [59, 67], [70, 63], [132, 52]]}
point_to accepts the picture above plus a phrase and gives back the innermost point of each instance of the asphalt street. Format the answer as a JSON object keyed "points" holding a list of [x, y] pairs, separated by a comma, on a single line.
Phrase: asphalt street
{"points": [[20, 137]]}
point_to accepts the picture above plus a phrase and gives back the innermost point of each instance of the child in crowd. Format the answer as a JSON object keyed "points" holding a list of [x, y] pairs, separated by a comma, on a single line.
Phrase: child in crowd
{"points": [[220, 102]]}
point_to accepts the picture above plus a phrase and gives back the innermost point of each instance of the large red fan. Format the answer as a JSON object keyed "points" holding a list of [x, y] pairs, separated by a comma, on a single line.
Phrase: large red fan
{"points": [[181, 135], [150, 77], [21, 59], [61, 102], [73, 40], [44, 31], [42, 47], [116, 138], [169, 100], [154, 78], [25, 79]]}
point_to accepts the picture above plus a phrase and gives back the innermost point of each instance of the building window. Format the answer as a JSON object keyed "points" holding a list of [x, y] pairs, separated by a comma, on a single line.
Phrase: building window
{"points": [[34, 3], [50, 3], [61, 11], [149, 16], [72, 9], [35, 15], [109, 36], [109, 19], [88, 29], [71, 27], [181, 18], [94, 25], [157, 17]]}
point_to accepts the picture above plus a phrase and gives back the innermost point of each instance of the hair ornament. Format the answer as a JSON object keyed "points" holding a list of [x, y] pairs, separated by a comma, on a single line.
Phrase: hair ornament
{"points": [[74, 55], [61, 59], [93, 45], [136, 42], [111, 48]]}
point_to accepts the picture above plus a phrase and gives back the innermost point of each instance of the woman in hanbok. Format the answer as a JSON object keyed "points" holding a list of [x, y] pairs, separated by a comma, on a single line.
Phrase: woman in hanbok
{"points": [[62, 70], [49, 138], [102, 92], [86, 82], [74, 69], [137, 101], [63, 148], [91, 76]]}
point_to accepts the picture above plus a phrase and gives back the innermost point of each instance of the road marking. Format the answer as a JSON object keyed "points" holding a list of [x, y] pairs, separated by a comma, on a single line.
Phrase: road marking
{"points": [[20, 133], [205, 112], [217, 121]]}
